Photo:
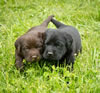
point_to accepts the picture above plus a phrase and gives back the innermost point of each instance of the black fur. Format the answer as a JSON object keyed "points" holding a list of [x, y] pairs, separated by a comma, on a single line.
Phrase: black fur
{"points": [[62, 43]]}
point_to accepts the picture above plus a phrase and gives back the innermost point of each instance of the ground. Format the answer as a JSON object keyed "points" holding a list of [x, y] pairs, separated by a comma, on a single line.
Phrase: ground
{"points": [[17, 16]]}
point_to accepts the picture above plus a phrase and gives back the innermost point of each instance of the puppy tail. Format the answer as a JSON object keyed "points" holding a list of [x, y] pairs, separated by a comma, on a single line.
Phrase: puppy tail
{"points": [[57, 23], [46, 22]]}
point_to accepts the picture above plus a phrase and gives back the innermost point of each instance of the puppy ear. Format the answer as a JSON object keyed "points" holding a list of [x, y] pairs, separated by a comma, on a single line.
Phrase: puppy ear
{"points": [[18, 46], [18, 55], [41, 35], [69, 40]]}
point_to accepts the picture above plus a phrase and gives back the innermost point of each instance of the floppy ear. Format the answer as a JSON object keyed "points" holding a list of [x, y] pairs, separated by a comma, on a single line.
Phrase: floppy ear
{"points": [[18, 55], [41, 35], [68, 41], [18, 46]]}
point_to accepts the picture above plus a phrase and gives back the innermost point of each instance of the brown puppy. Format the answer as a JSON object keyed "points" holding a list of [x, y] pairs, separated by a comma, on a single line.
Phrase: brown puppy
{"points": [[29, 45]]}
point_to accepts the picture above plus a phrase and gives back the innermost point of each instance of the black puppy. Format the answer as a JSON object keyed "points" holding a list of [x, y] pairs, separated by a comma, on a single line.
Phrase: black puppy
{"points": [[62, 43]]}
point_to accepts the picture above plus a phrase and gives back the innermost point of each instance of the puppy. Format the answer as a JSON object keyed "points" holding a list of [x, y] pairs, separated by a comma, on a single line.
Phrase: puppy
{"points": [[62, 43], [29, 45]]}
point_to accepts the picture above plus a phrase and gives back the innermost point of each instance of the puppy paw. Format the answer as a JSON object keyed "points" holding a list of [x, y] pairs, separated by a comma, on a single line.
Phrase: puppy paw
{"points": [[19, 65]]}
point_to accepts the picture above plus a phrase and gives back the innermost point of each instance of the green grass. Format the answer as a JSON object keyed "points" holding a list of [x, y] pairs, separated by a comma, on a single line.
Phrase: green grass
{"points": [[17, 16]]}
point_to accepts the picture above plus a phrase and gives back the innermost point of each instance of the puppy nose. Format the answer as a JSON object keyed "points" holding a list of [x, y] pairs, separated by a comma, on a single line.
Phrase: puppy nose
{"points": [[50, 53], [34, 57]]}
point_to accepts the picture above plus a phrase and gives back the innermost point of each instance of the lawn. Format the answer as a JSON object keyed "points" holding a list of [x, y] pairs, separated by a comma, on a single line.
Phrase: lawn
{"points": [[17, 16]]}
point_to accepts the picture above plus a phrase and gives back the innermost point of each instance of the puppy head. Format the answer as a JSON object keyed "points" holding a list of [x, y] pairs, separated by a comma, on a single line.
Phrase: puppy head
{"points": [[57, 44], [30, 47]]}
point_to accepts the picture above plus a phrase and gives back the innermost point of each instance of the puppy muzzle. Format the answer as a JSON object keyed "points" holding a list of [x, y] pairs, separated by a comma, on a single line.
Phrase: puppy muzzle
{"points": [[50, 53], [35, 58]]}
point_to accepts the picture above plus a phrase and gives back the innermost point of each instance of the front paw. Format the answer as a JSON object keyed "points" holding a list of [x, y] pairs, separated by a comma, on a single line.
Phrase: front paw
{"points": [[19, 65]]}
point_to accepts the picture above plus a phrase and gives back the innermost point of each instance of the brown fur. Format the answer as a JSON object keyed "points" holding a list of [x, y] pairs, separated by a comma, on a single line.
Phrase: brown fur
{"points": [[29, 45]]}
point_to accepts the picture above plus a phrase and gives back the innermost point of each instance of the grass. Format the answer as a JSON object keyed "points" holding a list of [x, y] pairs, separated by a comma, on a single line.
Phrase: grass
{"points": [[17, 16]]}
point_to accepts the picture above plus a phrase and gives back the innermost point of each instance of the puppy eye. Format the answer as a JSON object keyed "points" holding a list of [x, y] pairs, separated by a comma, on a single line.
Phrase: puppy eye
{"points": [[25, 48], [38, 47], [58, 45]]}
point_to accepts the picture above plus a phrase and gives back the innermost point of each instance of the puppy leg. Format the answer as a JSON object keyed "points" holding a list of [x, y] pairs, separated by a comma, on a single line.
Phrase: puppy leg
{"points": [[81, 50], [19, 62], [71, 60]]}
